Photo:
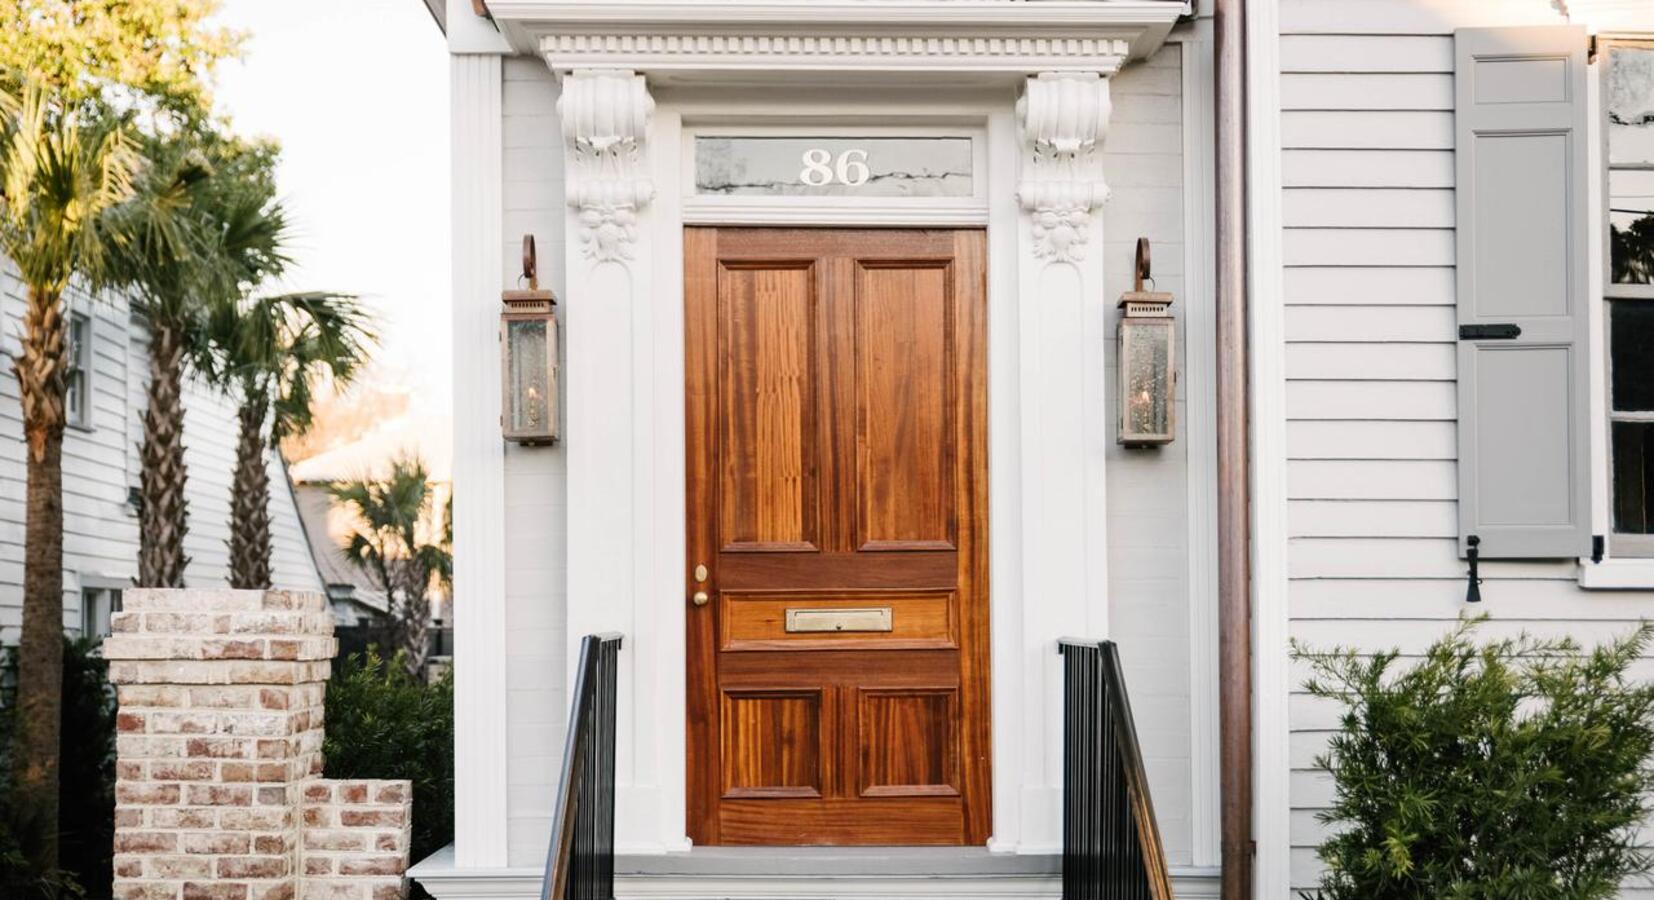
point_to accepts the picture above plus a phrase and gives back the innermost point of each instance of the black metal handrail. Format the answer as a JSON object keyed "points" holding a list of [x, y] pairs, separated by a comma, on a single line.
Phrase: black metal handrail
{"points": [[1110, 840], [581, 862]]}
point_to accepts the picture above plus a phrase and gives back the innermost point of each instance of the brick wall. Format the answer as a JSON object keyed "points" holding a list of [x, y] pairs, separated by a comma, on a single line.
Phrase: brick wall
{"points": [[218, 753]]}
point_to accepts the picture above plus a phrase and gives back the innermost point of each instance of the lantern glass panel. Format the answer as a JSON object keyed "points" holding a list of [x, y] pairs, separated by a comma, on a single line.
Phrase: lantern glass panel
{"points": [[1147, 393], [528, 376]]}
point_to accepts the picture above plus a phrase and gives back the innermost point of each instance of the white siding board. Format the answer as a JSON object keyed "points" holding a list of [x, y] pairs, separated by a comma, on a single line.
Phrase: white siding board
{"points": [[1372, 362], [1362, 479], [1375, 91], [1388, 130], [1368, 246], [1368, 286], [1386, 53], [1369, 324], [1384, 439], [1367, 208], [1373, 518], [1367, 168], [1371, 400]]}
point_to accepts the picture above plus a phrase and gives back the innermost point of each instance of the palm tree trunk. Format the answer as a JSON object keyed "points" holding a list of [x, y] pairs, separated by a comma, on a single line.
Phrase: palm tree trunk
{"points": [[250, 501], [40, 381], [414, 614], [164, 519]]}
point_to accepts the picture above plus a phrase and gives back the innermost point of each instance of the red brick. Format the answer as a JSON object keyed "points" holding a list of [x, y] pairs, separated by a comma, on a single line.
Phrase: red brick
{"points": [[272, 844], [218, 748], [195, 770], [129, 867], [371, 865], [252, 866], [184, 818], [318, 793], [217, 843], [391, 793], [131, 818], [269, 698], [131, 722], [388, 891], [318, 865], [146, 842], [147, 890], [353, 792], [220, 795], [180, 867], [141, 794], [334, 840], [214, 890], [359, 818]]}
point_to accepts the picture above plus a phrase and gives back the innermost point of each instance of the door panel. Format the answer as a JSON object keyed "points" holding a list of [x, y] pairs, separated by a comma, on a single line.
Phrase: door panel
{"points": [[835, 410]]}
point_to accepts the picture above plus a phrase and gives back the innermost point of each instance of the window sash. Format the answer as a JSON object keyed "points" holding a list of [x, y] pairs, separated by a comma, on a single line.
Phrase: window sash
{"points": [[1621, 543]]}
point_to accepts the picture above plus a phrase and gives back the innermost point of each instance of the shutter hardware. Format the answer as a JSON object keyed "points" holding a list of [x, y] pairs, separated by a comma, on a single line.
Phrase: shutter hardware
{"points": [[1500, 332], [1599, 547], [1474, 594]]}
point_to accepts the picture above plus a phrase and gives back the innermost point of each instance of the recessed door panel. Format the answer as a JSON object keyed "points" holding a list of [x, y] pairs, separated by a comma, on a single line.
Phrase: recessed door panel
{"points": [[836, 520], [767, 400]]}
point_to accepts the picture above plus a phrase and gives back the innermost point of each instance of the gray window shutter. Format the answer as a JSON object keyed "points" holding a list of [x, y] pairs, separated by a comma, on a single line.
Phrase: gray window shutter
{"points": [[1521, 160]]}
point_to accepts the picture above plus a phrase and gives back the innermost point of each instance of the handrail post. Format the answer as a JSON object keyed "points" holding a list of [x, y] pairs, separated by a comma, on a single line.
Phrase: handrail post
{"points": [[580, 861]]}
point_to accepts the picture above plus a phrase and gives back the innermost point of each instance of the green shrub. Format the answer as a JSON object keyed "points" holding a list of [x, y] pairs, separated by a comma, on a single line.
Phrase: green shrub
{"points": [[384, 723], [1506, 770], [86, 796]]}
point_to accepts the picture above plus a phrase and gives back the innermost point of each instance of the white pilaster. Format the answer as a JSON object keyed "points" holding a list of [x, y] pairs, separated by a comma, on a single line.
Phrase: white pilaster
{"points": [[616, 477], [479, 465], [1064, 322]]}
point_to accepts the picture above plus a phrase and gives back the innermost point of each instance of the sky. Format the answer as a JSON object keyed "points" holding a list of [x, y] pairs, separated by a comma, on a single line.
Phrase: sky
{"points": [[356, 91]]}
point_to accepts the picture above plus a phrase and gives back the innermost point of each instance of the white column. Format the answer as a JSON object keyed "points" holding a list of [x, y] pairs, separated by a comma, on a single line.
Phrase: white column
{"points": [[1064, 321], [479, 465], [614, 475]]}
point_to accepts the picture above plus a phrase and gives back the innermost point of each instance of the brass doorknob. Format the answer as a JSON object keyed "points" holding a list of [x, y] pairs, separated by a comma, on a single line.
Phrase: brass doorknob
{"points": [[700, 598]]}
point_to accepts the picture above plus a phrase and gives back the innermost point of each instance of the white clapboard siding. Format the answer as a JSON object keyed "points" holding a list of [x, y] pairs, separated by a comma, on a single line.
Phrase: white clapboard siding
{"points": [[1368, 286], [1367, 168], [100, 465], [1410, 92], [535, 539], [1370, 290], [1367, 208]]}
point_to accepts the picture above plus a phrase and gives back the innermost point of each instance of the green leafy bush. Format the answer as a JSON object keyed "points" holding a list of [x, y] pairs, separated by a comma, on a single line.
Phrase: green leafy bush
{"points": [[86, 773], [1507, 770], [384, 723]]}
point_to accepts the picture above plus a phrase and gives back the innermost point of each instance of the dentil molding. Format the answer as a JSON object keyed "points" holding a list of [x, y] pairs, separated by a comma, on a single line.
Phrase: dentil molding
{"points": [[605, 116], [1062, 118], [865, 50]]}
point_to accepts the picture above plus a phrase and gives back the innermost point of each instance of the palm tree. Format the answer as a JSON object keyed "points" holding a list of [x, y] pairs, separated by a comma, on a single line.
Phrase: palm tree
{"points": [[59, 173], [209, 229], [270, 353], [391, 545]]}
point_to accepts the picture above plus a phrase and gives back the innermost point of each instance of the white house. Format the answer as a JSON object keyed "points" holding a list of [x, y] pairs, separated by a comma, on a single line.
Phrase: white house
{"points": [[109, 365], [838, 285]]}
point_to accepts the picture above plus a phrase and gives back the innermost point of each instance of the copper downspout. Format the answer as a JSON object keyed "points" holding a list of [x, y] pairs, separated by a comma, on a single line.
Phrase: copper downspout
{"points": [[1234, 451]]}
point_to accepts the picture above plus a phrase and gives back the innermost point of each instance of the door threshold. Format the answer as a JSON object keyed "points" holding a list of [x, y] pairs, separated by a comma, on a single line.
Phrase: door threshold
{"points": [[808, 862]]}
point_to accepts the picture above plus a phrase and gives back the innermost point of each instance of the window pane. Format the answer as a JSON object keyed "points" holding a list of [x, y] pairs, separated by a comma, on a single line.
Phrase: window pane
{"points": [[1633, 486], [1630, 105], [1631, 335], [1631, 225]]}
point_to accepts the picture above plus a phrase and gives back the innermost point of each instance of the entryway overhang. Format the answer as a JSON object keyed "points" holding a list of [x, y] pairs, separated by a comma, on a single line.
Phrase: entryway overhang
{"points": [[675, 40]]}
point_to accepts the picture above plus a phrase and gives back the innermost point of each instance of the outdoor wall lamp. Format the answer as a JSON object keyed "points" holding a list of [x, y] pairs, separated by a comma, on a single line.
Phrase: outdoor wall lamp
{"points": [[528, 359], [1148, 361]]}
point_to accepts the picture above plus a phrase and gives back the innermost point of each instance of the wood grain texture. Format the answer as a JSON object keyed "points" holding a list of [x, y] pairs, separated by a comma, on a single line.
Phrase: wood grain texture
{"points": [[836, 421]]}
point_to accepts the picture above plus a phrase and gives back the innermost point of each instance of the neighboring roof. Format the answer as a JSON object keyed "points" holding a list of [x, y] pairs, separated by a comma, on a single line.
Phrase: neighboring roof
{"points": [[370, 455], [342, 578]]}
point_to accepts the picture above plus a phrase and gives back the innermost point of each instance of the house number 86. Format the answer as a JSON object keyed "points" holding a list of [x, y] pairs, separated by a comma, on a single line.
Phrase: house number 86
{"points": [[821, 169]]}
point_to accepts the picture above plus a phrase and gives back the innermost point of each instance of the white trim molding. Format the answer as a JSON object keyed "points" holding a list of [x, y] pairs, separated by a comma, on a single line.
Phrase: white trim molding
{"points": [[1272, 674], [778, 35], [479, 462]]}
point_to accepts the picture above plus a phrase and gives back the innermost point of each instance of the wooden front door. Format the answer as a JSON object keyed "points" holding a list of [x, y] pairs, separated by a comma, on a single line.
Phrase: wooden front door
{"points": [[838, 648]]}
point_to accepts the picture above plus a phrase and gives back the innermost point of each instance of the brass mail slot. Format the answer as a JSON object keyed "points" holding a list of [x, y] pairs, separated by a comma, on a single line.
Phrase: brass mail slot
{"points": [[874, 619]]}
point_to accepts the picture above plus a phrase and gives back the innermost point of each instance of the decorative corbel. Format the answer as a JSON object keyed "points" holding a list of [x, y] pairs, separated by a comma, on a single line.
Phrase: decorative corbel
{"points": [[1063, 119], [605, 116]]}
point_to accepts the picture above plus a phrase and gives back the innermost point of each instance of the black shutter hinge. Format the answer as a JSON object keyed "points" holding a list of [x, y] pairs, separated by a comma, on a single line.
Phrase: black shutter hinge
{"points": [[1474, 594], [1599, 547]]}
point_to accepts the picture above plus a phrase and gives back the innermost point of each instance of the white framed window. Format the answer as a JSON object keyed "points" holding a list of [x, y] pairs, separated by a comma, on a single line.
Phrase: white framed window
{"points": [[98, 606], [78, 378], [1627, 118]]}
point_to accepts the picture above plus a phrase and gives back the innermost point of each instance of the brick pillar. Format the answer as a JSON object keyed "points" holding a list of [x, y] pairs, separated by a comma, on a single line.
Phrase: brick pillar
{"points": [[355, 841], [220, 725]]}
